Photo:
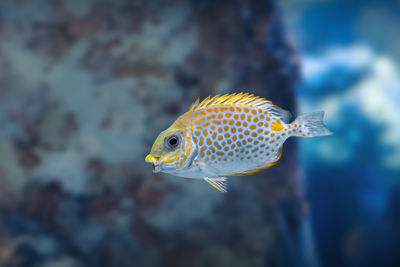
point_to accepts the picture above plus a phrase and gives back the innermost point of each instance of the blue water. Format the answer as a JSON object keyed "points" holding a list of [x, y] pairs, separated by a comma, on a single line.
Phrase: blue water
{"points": [[351, 72]]}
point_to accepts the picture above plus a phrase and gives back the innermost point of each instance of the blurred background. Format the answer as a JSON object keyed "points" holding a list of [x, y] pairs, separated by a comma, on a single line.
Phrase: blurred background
{"points": [[86, 86], [350, 68]]}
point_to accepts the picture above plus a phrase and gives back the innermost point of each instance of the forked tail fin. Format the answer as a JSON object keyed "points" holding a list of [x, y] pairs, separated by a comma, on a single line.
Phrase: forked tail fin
{"points": [[310, 125]]}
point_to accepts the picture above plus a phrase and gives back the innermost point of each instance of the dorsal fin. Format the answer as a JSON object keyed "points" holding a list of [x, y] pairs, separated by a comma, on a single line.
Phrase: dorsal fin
{"points": [[241, 99]]}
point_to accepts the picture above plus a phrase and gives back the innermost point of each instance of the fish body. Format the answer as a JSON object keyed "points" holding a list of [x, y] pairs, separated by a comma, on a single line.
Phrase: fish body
{"points": [[235, 134]]}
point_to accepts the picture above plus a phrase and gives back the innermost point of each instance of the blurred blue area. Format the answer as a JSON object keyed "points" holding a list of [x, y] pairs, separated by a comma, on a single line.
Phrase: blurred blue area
{"points": [[351, 69]]}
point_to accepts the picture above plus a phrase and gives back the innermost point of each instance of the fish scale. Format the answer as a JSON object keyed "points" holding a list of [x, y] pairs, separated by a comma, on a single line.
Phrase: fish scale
{"points": [[248, 136], [236, 134]]}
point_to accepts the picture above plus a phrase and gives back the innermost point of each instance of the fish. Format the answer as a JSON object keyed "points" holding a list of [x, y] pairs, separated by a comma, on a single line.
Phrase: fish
{"points": [[229, 135]]}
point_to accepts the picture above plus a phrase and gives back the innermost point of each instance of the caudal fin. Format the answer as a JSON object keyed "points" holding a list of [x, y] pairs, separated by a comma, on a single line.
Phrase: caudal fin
{"points": [[310, 125]]}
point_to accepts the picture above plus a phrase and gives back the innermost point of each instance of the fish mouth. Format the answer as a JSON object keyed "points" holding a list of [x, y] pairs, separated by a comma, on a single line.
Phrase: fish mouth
{"points": [[153, 160]]}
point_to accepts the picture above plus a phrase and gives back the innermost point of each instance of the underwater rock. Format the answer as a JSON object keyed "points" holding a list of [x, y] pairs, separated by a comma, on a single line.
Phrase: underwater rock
{"points": [[84, 90]]}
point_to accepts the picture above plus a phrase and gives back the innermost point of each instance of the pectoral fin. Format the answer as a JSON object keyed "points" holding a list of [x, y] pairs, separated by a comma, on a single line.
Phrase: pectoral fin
{"points": [[217, 182]]}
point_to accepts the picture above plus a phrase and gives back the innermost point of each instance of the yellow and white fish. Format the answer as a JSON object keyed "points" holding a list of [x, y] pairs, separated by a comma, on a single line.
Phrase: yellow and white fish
{"points": [[234, 134]]}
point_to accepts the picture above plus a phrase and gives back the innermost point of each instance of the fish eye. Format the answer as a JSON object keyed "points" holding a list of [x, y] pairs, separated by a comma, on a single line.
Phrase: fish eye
{"points": [[172, 141]]}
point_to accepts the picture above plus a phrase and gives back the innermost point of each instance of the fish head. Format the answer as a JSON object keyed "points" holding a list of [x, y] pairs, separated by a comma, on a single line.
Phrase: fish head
{"points": [[172, 151]]}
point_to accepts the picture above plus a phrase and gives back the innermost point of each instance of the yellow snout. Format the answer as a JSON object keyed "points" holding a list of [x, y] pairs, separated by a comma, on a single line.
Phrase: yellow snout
{"points": [[149, 158]]}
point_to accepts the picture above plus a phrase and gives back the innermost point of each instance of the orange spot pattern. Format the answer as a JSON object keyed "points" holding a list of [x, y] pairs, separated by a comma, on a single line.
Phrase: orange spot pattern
{"points": [[234, 134]]}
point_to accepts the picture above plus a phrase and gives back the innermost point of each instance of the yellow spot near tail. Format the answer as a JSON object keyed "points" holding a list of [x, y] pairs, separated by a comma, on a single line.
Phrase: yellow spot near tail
{"points": [[276, 126]]}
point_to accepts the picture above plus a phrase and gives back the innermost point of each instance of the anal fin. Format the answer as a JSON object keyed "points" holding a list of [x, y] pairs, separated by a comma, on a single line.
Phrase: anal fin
{"points": [[217, 182]]}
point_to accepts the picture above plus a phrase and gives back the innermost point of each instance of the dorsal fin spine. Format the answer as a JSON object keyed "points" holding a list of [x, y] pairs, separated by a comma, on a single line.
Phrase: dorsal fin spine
{"points": [[240, 99]]}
